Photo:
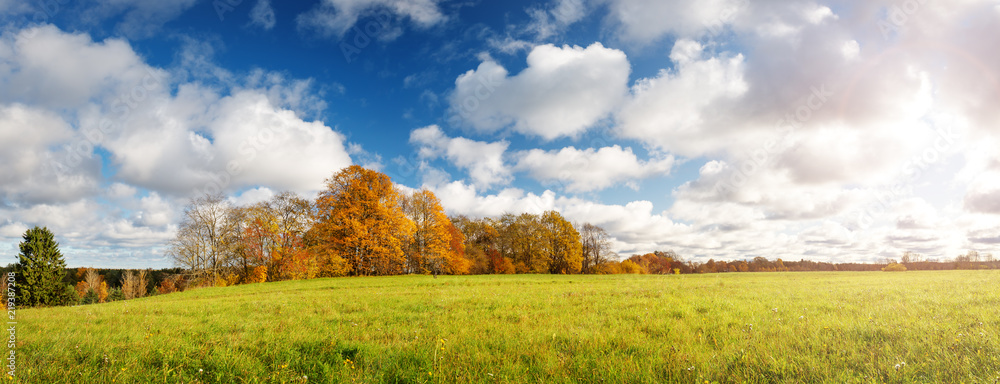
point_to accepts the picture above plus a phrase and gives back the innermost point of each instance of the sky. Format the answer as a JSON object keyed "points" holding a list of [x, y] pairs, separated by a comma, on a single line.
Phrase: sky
{"points": [[841, 131]]}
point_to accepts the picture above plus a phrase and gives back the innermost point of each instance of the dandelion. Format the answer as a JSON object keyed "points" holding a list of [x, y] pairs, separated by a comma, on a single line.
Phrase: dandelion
{"points": [[897, 367], [200, 370]]}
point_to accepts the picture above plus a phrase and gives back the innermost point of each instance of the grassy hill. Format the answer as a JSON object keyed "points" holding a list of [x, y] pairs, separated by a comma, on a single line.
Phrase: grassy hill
{"points": [[760, 327]]}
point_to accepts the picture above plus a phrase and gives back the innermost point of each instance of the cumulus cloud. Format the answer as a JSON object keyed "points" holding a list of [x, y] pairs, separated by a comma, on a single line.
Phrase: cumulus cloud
{"points": [[644, 21], [336, 17], [197, 139], [36, 147], [670, 110], [483, 161], [46, 67], [562, 92], [590, 169]]}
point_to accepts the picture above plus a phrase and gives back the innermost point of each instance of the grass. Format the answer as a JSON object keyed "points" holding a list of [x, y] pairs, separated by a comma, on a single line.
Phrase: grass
{"points": [[719, 328]]}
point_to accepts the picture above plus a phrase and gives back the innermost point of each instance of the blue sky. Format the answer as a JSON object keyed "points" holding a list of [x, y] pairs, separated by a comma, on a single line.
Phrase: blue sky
{"points": [[726, 129]]}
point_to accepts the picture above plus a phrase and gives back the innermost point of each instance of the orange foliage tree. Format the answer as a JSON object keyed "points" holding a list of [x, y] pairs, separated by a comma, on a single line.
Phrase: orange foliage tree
{"points": [[360, 227]]}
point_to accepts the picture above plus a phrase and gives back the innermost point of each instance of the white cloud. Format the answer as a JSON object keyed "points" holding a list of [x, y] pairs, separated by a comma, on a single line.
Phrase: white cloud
{"points": [[483, 161], [851, 49], [262, 15], [36, 148], [155, 211], [670, 110], [562, 92], [252, 196], [241, 140], [459, 198], [546, 23], [590, 169], [820, 13], [645, 21], [336, 17], [47, 67]]}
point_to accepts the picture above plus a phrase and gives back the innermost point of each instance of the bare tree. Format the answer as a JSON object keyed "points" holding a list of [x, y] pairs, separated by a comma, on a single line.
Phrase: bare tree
{"points": [[204, 244], [596, 246]]}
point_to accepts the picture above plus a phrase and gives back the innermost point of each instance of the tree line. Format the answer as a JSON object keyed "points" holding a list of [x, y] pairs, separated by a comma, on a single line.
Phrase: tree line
{"points": [[361, 224]]}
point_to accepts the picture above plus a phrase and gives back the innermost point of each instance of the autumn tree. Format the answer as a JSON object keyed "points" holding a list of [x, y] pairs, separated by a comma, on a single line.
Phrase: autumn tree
{"points": [[521, 238], [291, 259], [428, 246], [561, 244], [41, 269], [129, 285], [456, 261], [437, 245], [480, 243], [360, 227], [134, 284], [271, 237]]}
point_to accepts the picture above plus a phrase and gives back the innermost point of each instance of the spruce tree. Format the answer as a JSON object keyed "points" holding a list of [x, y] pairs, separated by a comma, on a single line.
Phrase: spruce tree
{"points": [[40, 270]]}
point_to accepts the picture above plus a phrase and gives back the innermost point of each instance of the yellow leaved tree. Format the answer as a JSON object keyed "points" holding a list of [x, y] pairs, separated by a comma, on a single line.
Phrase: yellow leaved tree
{"points": [[360, 228], [436, 245], [562, 244]]}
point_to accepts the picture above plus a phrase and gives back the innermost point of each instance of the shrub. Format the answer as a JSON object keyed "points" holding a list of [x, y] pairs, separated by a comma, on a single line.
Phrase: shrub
{"points": [[258, 274], [894, 267], [630, 267]]}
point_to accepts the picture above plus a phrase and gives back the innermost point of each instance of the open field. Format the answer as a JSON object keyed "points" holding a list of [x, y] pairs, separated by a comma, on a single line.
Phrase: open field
{"points": [[751, 327]]}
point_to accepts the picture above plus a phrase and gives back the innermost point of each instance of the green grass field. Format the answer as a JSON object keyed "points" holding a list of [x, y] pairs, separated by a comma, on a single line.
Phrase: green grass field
{"points": [[718, 328]]}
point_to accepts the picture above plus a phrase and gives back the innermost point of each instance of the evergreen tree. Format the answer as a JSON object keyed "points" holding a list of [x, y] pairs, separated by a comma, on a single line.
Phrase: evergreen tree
{"points": [[40, 270]]}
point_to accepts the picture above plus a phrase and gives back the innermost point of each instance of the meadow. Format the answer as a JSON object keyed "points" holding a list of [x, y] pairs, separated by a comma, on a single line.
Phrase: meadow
{"points": [[838, 327]]}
